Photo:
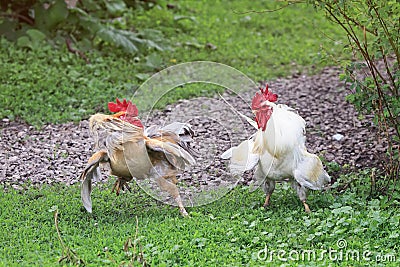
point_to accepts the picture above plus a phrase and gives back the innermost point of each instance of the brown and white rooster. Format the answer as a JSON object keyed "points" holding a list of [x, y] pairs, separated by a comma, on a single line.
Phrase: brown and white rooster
{"points": [[133, 152], [277, 150]]}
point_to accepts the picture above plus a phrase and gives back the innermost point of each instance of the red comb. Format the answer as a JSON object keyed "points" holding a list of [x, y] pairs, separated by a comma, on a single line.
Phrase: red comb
{"points": [[260, 98], [127, 106], [131, 111], [269, 95]]}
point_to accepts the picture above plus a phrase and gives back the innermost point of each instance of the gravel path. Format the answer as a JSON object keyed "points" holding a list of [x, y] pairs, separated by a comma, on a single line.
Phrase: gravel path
{"points": [[58, 153]]}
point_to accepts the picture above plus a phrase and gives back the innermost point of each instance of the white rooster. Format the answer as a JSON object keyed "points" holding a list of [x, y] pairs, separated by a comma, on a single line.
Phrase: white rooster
{"points": [[277, 149]]}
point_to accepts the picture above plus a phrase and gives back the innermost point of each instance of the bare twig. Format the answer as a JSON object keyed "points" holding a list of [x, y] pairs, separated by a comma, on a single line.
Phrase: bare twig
{"points": [[385, 29], [75, 51], [268, 10], [18, 16], [389, 73], [346, 186], [67, 254], [343, 13], [136, 256]]}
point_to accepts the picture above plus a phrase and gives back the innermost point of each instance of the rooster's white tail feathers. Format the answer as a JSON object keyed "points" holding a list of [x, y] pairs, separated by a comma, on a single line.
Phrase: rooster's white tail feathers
{"points": [[242, 158], [310, 173]]}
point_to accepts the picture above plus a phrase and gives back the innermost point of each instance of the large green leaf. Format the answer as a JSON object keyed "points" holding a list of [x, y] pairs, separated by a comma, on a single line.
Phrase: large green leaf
{"points": [[47, 18], [115, 7], [24, 41], [118, 37], [36, 36]]}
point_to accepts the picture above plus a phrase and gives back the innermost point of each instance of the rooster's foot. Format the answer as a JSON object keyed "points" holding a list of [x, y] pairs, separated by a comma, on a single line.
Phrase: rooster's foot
{"points": [[266, 203], [306, 207], [116, 187], [120, 184], [183, 212], [182, 209]]}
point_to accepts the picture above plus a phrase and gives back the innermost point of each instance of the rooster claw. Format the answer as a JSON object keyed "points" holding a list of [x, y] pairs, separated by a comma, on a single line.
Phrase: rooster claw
{"points": [[306, 207], [120, 184], [127, 187], [184, 212], [267, 203]]}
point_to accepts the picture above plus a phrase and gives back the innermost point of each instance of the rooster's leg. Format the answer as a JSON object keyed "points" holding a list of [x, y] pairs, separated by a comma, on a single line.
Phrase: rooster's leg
{"points": [[266, 202], [120, 184], [182, 209], [268, 187], [306, 207], [126, 185], [302, 193], [116, 186], [171, 188]]}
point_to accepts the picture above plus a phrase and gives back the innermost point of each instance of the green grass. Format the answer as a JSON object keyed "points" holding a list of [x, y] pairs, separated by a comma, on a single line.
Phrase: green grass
{"points": [[229, 232], [52, 85], [262, 45]]}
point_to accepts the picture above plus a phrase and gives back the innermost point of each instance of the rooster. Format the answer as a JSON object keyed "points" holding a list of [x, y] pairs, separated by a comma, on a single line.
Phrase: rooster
{"points": [[277, 150], [135, 152]]}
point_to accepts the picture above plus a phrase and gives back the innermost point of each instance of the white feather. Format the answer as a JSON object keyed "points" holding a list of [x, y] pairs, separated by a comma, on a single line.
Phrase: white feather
{"points": [[242, 158], [227, 154]]}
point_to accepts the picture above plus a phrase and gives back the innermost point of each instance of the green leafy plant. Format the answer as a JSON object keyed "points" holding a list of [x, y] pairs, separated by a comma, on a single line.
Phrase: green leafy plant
{"points": [[86, 23], [372, 29]]}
